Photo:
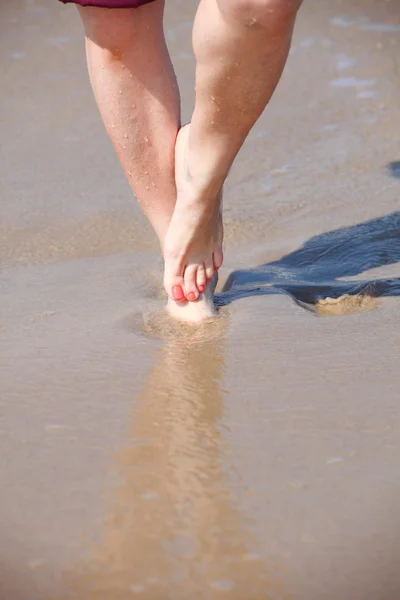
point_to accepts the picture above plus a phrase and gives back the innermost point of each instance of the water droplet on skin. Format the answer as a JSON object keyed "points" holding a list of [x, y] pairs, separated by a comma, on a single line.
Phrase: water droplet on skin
{"points": [[250, 556], [150, 496], [222, 585], [137, 588]]}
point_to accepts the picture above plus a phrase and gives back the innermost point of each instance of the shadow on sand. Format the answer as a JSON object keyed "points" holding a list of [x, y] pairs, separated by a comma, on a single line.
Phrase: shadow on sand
{"points": [[312, 274], [394, 169]]}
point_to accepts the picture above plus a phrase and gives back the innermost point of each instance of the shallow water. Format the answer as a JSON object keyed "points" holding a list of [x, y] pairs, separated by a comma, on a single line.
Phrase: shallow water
{"points": [[254, 456]]}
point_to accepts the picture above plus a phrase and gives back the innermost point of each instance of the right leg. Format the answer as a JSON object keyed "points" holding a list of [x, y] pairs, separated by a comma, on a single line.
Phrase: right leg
{"points": [[138, 98], [241, 48]]}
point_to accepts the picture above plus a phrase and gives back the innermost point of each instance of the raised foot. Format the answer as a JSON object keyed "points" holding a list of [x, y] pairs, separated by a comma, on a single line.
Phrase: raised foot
{"points": [[193, 245]]}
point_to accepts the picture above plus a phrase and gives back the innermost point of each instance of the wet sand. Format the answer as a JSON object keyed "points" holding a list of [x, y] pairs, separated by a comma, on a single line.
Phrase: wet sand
{"points": [[256, 457]]}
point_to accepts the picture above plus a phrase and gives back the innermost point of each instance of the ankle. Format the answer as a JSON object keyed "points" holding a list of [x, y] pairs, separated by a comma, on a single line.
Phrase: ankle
{"points": [[203, 176], [205, 185]]}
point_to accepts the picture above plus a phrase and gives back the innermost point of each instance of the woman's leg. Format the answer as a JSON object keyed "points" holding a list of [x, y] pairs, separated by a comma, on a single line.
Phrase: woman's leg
{"points": [[241, 48], [137, 95], [138, 98]]}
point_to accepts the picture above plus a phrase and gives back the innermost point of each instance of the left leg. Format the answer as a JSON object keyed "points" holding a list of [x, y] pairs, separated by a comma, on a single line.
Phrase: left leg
{"points": [[136, 91], [241, 48]]}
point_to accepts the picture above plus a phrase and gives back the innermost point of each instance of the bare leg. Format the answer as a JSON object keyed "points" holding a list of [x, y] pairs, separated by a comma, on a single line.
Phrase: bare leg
{"points": [[241, 47], [138, 98], [137, 95]]}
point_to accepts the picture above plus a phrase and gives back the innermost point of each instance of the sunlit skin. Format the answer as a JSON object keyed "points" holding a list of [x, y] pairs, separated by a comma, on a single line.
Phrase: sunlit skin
{"points": [[177, 174]]}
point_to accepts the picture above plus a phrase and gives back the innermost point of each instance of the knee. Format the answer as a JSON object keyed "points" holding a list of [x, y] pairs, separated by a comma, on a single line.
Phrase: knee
{"points": [[274, 14], [114, 30]]}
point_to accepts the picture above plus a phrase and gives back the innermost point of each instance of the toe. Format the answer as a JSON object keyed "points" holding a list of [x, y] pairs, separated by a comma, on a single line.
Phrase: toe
{"points": [[191, 291], [209, 266], [177, 293], [201, 279], [218, 259], [174, 281]]}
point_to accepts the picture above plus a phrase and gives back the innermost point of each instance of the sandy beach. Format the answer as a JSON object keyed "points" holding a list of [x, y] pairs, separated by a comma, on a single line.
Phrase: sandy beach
{"points": [[254, 457]]}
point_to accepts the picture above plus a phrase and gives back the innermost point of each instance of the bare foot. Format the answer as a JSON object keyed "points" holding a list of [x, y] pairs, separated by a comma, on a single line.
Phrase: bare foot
{"points": [[193, 312], [193, 244]]}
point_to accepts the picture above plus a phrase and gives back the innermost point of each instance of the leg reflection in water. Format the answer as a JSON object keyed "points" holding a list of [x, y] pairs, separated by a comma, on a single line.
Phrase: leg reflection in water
{"points": [[175, 528]]}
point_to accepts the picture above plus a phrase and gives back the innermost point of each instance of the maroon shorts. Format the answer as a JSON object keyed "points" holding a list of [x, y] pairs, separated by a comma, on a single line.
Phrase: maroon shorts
{"points": [[109, 3]]}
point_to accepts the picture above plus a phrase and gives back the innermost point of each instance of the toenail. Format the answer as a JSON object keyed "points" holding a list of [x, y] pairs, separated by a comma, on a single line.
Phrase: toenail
{"points": [[201, 288], [191, 296], [177, 293]]}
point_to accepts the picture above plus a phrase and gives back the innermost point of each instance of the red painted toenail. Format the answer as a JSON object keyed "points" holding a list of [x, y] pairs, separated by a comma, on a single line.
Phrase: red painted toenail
{"points": [[177, 293], [201, 288], [191, 296]]}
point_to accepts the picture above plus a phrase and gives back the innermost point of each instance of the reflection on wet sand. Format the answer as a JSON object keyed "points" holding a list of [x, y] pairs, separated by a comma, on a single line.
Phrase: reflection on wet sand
{"points": [[175, 528]]}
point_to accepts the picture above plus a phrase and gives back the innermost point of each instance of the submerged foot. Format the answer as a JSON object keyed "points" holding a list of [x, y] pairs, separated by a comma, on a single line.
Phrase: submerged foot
{"points": [[193, 245]]}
